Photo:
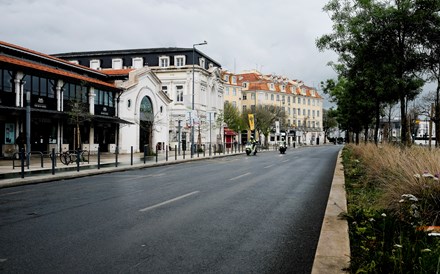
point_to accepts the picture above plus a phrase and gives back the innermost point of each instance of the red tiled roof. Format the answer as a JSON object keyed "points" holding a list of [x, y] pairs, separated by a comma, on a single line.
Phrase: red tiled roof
{"points": [[117, 71], [39, 67]]}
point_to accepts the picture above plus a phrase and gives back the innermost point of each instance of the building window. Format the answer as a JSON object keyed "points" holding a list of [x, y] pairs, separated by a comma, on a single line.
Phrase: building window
{"points": [[165, 89], [313, 113], [234, 80], [179, 93], [308, 102], [137, 62], [75, 92], [128, 103], [6, 84], [39, 86], [244, 109], [245, 85], [227, 90], [234, 104], [164, 61], [308, 112], [252, 96], [272, 97], [304, 112], [117, 63], [74, 62], [95, 64], [317, 113], [202, 62], [179, 60], [226, 78], [234, 91], [105, 98], [244, 97]]}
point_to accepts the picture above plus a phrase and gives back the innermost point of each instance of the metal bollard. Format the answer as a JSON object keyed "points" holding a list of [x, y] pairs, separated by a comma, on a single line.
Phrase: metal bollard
{"points": [[78, 154], [99, 158], [116, 156], [54, 157], [145, 153], [131, 156], [22, 154]]}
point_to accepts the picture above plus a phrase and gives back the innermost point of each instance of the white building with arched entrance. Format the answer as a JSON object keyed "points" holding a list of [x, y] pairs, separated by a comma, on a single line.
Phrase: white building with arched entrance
{"points": [[143, 103]]}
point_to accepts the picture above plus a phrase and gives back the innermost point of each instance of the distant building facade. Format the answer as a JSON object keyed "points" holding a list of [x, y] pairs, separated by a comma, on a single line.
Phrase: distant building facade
{"points": [[301, 104]]}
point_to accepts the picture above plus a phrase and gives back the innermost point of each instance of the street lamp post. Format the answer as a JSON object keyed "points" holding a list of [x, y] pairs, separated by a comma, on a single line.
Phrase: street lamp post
{"points": [[192, 103]]}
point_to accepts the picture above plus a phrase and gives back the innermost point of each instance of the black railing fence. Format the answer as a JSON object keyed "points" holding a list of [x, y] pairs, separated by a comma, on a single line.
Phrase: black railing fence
{"points": [[83, 159]]}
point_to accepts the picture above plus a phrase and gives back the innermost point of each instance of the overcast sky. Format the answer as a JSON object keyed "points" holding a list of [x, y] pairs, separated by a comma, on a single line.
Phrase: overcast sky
{"points": [[275, 37]]}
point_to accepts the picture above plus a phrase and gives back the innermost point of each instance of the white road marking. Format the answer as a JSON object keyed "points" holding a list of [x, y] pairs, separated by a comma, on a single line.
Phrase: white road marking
{"points": [[168, 202], [12, 193], [284, 161], [3, 260], [137, 178], [238, 177], [269, 166]]}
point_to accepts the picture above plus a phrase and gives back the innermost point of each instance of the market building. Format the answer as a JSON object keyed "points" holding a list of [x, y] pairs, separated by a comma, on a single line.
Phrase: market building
{"points": [[51, 103]]}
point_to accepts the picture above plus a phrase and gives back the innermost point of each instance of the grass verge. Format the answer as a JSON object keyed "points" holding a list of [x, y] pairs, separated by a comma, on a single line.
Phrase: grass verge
{"points": [[393, 199]]}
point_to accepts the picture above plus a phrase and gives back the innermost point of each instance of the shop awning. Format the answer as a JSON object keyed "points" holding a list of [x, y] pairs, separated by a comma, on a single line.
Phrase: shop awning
{"points": [[230, 132], [109, 119]]}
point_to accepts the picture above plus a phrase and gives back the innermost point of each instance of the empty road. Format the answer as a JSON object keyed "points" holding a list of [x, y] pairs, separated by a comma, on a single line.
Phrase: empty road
{"points": [[238, 214]]}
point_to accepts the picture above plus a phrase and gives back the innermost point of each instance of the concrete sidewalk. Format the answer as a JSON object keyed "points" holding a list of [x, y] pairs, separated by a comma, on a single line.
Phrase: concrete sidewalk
{"points": [[333, 250]]}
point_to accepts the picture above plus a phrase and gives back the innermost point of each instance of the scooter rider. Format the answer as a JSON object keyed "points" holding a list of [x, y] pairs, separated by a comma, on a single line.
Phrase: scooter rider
{"points": [[253, 142]]}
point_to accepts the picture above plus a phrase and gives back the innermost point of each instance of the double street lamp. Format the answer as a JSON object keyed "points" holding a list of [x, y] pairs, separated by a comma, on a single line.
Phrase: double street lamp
{"points": [[192, 103]]}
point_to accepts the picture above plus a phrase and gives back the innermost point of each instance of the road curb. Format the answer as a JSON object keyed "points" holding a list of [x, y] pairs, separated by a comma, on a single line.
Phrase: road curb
{"points": [[333, 251]]}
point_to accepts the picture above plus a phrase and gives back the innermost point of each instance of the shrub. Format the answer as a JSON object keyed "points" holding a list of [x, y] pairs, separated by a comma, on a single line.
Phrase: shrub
{"points": [[392, 195]]}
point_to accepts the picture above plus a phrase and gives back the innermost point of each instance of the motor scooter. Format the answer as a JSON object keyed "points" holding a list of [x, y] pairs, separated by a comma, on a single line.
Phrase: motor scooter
{"points": [[251, 148], [283, 148]]}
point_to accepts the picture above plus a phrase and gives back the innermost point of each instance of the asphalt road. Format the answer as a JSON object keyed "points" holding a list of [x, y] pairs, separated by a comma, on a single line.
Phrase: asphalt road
{"points": [[240, 214]]}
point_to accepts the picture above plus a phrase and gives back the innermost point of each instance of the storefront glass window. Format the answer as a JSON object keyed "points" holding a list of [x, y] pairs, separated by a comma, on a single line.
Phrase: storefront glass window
{"points": [[6, 84]]}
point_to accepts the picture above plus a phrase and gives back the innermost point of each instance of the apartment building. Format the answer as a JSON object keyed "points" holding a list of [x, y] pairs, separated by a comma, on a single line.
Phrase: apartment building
{"points": [[301, 104]]}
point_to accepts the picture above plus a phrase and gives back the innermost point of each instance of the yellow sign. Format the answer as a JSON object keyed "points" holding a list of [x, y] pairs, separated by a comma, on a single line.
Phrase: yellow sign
{"points": [[251, 121]]}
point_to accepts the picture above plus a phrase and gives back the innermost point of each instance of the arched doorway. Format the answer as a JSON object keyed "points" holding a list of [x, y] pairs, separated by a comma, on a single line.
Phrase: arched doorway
{"points": [[146, 120]]}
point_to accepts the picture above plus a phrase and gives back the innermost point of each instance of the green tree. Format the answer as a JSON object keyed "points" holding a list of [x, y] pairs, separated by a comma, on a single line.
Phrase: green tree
{"points": [[265, 117], [377, 43], [430, 37], [232, 117], [329, 121]]}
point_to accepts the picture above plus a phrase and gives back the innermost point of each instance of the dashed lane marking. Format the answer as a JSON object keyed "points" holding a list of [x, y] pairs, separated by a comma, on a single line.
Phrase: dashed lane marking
{"points": [[238, 177], [169, 201]]}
